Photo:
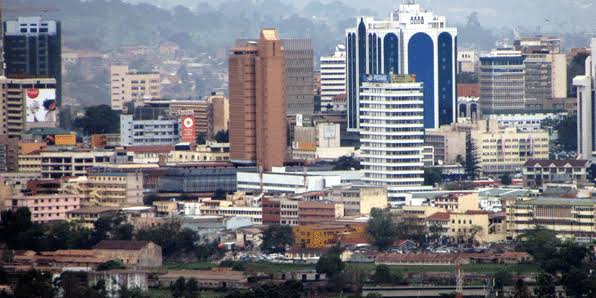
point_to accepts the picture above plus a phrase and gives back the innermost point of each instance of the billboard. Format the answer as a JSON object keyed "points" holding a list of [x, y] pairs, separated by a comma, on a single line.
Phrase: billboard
{"points": [[188, 133], [65, 140], [41, 105]]}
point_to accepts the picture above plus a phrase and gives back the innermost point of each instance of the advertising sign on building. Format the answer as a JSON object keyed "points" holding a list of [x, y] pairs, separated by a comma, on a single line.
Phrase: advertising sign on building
{"points": [[188, 126], [41, 105]]}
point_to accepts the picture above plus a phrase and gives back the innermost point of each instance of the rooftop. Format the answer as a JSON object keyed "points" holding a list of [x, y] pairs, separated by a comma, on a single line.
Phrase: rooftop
{"points": [[121, 244], [557, 163], [559, 201]]}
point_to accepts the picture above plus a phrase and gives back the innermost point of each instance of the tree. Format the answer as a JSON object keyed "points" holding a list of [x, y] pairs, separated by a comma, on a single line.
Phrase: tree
{"points": [[567, 132], [73, 286], [34, 284], [276, 238], [191, 289], [150, 198], [132, 293], [521, 290], [346, 163], [98, 120], [201, 138], [506, 179], [220, 194], [503, 278], [178, 287], [330, 264], [113, 227], [354, 278], [540, 242], [472, 161], [383, 275], [13, 224], [545, 286], [382, 228], [174, 240], [110, 265], [222, 136], [576, 67], [433, 176], [578, 283]]}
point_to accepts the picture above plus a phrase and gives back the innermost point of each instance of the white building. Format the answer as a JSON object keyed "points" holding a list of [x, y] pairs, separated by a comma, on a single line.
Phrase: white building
{"points": [[127, 86], [280, 181], [523, 121], [333, 78], [466, 61], [502, 81], [586, 120], [392, 135], [160, 131]]}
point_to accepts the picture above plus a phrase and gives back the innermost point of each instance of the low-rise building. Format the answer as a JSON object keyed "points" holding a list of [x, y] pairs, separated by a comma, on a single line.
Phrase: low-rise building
{"points": [[280, 181], [207, 279], [140, 131], [359, 199], [568, 218], [318, 236], [448, 144], [56, 164], [131, 253], [115, 188], [89, 215], [538, 172]]}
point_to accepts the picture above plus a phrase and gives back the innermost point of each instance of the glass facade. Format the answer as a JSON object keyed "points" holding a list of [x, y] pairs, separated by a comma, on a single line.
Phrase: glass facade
{"points": [[421, 63]]}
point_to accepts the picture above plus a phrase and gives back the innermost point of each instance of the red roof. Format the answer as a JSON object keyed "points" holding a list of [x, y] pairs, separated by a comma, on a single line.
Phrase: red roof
{"points": [[439, 216]]}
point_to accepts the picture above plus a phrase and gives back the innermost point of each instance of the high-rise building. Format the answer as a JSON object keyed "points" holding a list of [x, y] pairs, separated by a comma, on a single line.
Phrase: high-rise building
{"points": [[33, 49], [333, 78], [299, 81], [128, 86], [258, 102], [502, 82], [586, 107], [392, 134], [220, 106], [413, 41]]}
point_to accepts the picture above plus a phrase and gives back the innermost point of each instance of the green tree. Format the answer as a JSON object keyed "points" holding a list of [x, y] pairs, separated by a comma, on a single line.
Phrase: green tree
{"points": [[383, 275], [191, 289], [73, 286], [276, 238], [13, 225], [567, 132], [506, 179], [578, 283], [222, 136], [208, 251], [98, 120], [111, 265], [330, 264], [178, 287], [433, 176], [521, 290], [472, 162], [201, 138], [220, 194], [576, 67], [346, 163], [540, 242], [545, 286], [503, 278], [150, 198], [174, 240], [382, 228], [132, 293], [114, 227], [34, 284]]}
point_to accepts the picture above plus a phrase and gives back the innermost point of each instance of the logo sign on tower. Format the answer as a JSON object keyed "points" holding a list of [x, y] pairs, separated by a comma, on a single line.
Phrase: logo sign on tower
{"points": [[188, 126]]}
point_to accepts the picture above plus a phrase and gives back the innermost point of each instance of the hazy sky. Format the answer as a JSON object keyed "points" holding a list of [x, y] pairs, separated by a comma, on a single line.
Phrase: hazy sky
{"points": [[566, 15]]}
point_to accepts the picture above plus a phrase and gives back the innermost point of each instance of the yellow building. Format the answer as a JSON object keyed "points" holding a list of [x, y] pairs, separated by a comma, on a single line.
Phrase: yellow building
{"points": [[458, 202], [359, 199], [30, 163], [209, 152], [220, 105], [127, 86], [569, 218], [325, 235], [115, 188], [506, 150]]}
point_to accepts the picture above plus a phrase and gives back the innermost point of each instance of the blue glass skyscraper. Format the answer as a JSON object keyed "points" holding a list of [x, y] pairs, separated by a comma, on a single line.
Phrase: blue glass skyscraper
{"points": [[411, 41]]}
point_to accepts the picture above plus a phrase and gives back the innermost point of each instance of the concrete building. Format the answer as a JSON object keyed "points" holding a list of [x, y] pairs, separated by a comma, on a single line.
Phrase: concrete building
{"points": [[359, 200], [33, 49], [139, 131], [128, 86], [467, 61], [299, 79], [524, 121], [280, 181], [546, 76], [202, 111], [115, 188], [467, 109], [14, 118], [71, 163], [9, 154], [220, 108], [210, 152], [333, 78], [392, 134], [448, 143], [586, 118], [200, 178], [568, 218], [502, 82], [258, 102], [412, 41], [506, 150], [539, 172], [312, 212], [131, 253]]}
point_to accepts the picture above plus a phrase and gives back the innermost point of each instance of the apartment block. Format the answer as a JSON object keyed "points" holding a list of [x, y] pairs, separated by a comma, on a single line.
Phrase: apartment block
{"points": [[72, 163], [359, 200], [115, 189], [139, 131], [129, 86], [539, 172]]}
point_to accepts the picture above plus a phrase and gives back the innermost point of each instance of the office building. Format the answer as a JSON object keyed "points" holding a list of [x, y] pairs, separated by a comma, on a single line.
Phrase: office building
{"points": [[546, 76], [56, 164], [568, 218], [280, 181], [258, 102], [129, 86], [448, 144], [220, 109], [145, 129], [33, 49], [392, 134], [333, 78], [506, 150], [412, 41], [115, 188], [502, 82], [586, 105], [19, 109], [299, 79], [359, 200], [539, 172], [467, 61]]}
